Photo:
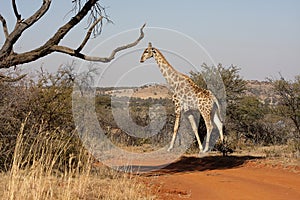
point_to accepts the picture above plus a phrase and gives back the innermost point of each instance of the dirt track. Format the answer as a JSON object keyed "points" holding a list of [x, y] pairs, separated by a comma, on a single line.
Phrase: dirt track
{"points": [[216, 177]]}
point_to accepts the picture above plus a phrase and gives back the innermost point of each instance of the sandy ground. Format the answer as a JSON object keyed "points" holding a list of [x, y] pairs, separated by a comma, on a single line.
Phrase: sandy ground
{"points": [[217, 177]]}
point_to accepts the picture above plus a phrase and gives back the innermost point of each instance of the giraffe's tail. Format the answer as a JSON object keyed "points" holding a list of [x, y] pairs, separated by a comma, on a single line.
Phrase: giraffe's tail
{"points": [[218, 107], [217, 118]]}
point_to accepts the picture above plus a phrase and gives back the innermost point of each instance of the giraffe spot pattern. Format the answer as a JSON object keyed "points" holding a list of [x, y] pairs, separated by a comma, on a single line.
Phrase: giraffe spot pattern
{"points": [[187, 95]]}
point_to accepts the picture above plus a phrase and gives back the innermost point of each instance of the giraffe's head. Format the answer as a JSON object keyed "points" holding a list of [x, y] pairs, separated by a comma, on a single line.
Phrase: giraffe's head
{"points": [[148, 53]]}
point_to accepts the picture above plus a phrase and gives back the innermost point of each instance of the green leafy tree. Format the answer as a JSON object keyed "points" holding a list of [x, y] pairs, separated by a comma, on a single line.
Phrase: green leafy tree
{"points": [[234, 84], [228, 83], [289, 102], [248, 117]]}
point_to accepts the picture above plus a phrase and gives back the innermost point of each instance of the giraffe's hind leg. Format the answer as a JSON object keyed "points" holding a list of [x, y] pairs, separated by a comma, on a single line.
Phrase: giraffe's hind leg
{"points": [[209, 128], [219, 125]]}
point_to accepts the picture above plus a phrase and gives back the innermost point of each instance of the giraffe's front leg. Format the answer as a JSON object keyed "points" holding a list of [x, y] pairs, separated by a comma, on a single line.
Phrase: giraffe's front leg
{"points": [[195, 129], [176, 127]]}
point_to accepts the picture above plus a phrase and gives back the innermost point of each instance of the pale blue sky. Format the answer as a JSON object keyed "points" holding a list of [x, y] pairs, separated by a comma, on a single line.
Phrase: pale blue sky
{"points": [[262, 37]]}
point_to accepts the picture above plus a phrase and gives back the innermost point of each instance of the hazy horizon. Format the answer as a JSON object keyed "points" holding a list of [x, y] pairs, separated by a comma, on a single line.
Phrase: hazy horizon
{"points": [[260, 37]]}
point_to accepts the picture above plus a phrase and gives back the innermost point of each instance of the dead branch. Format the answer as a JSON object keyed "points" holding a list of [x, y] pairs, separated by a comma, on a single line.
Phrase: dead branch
{"points": [[9, 58], [72, 52], [88, 34], [4, 25], [17, 14], [112, 55], [7, 48], [4, 78]]}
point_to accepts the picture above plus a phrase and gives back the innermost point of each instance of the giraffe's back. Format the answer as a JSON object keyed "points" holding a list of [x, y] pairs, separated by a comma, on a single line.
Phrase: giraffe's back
{"points": [[190, 95]]}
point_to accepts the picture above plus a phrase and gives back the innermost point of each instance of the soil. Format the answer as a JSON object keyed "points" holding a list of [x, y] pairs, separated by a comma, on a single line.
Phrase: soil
{"points": [[232, 177]]}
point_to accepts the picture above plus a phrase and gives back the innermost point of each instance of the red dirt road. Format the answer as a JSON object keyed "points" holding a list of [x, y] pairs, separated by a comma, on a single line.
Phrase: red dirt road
{"points": [[216, 177]]}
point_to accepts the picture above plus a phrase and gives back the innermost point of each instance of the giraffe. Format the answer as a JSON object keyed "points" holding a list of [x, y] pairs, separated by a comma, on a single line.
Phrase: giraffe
{"points": [[187, 96]]}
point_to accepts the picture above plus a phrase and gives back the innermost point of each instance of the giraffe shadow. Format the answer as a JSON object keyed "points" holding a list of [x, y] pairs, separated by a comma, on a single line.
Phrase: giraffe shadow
{"points": [[188, 164]]}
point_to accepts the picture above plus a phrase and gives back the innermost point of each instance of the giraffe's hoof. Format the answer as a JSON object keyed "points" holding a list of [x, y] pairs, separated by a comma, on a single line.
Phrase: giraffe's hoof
{"points": [[205, 150], [170, 149]]}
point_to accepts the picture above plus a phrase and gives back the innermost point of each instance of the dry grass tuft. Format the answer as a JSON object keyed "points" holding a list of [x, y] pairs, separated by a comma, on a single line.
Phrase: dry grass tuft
{"points": [[37, 172]]}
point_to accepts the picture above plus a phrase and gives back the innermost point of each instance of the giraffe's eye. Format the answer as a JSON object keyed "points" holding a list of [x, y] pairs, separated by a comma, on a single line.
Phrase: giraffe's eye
{"points": [[146, 51]]}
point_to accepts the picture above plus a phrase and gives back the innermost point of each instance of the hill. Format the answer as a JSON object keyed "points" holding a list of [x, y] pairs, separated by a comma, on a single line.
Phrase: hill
{"points": [[263, 90]]}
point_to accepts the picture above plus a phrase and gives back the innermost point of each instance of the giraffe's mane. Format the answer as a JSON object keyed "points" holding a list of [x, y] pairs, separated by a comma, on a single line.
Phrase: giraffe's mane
{"points": [[161, 55], [192, 83], [196, 87]]}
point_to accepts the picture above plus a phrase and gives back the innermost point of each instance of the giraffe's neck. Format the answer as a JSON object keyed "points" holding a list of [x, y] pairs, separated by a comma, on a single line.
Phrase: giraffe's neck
{"points": [[166, 69]]}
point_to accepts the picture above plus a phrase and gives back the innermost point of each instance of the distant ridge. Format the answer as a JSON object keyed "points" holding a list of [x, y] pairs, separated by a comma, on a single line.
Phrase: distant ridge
{"points": [[263, 90]]}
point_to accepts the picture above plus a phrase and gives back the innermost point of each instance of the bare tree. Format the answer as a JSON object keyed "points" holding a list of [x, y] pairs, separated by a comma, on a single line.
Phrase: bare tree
{"points": [[82, 8]]}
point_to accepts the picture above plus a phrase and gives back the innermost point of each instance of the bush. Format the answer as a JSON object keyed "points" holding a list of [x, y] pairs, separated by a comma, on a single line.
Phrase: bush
{"points": [[139, 114], [235, 86], [46, 108], [289, 101], [248, 120]]}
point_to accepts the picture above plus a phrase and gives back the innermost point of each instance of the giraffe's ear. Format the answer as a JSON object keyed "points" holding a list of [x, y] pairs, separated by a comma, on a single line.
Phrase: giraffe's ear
{"points": [[149, 45]]}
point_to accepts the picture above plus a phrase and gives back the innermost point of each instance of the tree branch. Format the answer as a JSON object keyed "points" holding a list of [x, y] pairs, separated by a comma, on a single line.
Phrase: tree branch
{"points": [[62, 31], [4, 25], [88, 34], [75, 53], [113, 53], [4, 78], [8, 58], [20, 28], [18, 16]]}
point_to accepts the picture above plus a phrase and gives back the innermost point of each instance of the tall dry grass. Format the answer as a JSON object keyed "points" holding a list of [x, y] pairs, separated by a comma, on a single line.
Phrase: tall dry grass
{"points": [[38, 172]]}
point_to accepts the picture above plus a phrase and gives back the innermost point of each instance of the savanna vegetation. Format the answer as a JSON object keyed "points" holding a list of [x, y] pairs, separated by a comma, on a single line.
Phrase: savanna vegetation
{"points": [[249, 121], [41, 154]]}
